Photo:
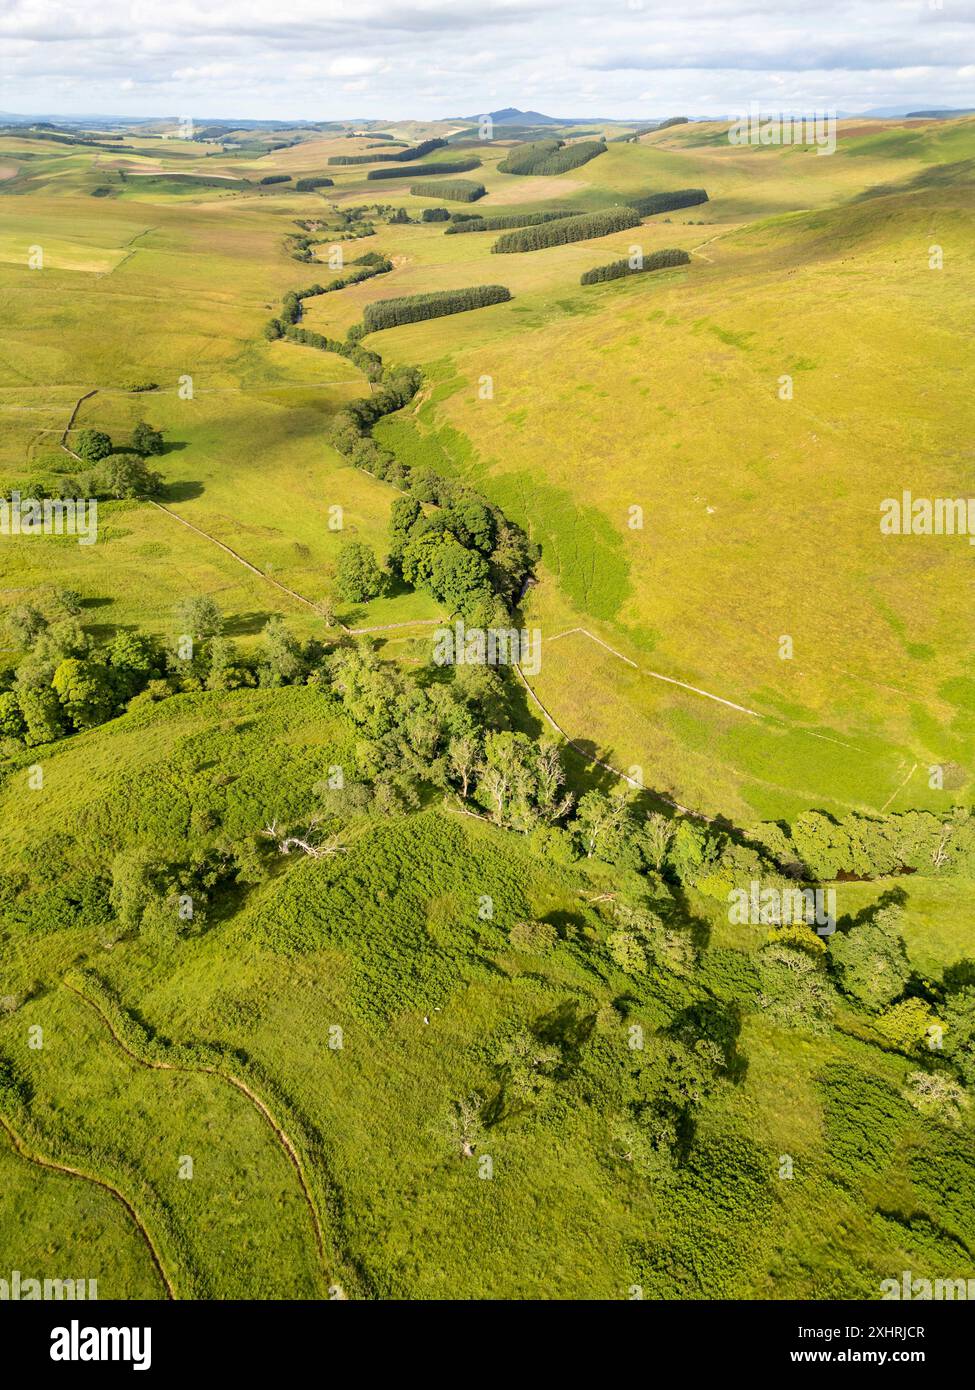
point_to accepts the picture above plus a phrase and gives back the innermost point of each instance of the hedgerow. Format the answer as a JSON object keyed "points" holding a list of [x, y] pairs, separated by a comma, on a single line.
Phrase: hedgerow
{"points": [[565, 230]]}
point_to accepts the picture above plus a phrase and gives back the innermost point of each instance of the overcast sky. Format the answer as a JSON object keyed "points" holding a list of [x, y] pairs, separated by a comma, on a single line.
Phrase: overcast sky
{"points": [[322, 59]]}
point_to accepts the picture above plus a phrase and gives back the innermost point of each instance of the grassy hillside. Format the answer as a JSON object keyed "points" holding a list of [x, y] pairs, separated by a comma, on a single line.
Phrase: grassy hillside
{"points": [[385, 944], [269, 1032]]}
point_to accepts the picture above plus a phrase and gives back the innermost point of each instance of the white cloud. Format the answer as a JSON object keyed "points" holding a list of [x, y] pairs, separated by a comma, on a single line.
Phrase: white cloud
{"points": [[248, 59], [350, 66]]}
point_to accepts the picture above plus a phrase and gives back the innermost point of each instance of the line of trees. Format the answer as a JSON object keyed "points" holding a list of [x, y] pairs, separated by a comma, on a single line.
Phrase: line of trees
{"points": [[402, 156], [567, 229], [419, 151], [435, 215], [201, 180], [467, 553], [346, 159], [454, 190], [369, 363], [503, 221], [319, 181], [276, 178], [653, 203], [290, 313], [414, 171], [551, 156], [616, 270], [389, 313]]}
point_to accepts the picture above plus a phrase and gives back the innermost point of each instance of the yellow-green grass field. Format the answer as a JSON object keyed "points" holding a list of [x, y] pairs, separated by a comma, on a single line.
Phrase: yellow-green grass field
{"points": [[760, 515]]}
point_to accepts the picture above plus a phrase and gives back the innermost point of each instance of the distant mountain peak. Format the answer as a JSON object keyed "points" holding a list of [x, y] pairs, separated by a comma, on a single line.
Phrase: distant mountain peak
{"points": [[510, 115]]}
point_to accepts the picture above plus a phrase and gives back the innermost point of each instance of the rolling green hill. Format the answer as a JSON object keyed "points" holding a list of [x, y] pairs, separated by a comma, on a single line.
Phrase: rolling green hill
{"points": [[328, 971]]}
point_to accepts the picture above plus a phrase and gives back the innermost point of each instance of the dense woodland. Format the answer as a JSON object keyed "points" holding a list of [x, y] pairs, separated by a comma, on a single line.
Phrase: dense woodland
{"points": [[454, 190], [551, 156]]}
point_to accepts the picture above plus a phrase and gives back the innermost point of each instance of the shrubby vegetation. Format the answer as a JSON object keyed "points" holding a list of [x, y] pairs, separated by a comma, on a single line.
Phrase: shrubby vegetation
{"points": [[567, 229], [616, 270]]}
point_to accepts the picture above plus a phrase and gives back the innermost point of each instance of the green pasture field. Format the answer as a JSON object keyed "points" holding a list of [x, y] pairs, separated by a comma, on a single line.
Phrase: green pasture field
{"points": [[284, 965], [61, 1226], [242, 1227], [661, 657]]}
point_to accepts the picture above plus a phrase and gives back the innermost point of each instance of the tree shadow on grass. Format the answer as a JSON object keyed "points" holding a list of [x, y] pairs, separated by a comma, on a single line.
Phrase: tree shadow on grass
{"points": [[681, 917], [183, 490], [567, 1028], [892, 897], [246, 624], [718, 1022], [961, 975]]}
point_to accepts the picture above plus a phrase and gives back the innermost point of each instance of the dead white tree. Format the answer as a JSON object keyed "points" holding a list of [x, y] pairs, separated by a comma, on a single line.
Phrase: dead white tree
{"points": [[939, 855], [315, 850]]}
